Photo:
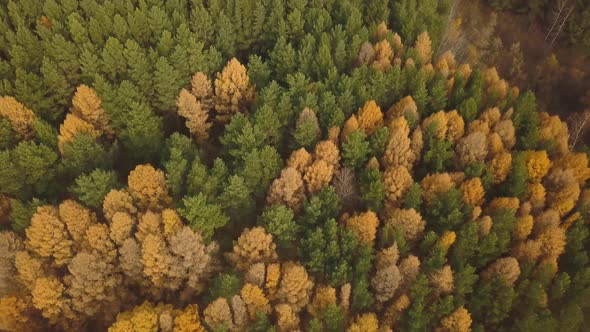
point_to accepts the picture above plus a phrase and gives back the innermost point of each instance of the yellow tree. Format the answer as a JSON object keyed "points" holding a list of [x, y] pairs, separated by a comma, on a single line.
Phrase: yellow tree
{"points": [[233, 91], [287, 189], [218, 314], [364, 323], [255, 300], [423, 47], [409, 221], [20, 117], [458, 321], [253, 246], [507, 268], [538, 164], [73, 125], [47, 236], [87, 105], [318, 175], [473, 192], [370, 117], [397, 181], [196, 117], [399, 150], [147, 186], [364, 225], [202, 88], [295, 286]]}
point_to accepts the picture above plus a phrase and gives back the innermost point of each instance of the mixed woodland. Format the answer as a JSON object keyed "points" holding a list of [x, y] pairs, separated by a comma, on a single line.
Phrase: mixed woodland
{"points": [[278, 165]]}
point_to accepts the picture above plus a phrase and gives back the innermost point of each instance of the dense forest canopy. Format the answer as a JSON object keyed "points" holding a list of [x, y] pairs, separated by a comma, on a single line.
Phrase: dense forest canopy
{"points": [[277, 165]]}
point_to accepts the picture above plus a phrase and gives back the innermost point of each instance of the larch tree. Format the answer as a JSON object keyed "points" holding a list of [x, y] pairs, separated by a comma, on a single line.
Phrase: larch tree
{"points": [[253, 246], [255, 300], [287, 189], [317, 175], [408, 221], [364, 225], [397, 181], [370, 117], [233, 91], [87, 105], [295, 286], [20, 117], [196, 116], [47, 236], [458, 321], [147, 186], [218, 314]]}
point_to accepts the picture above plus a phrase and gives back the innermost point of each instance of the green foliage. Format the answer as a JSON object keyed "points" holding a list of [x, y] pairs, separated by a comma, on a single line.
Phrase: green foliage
{"points": [[279, 221], [201, 215], [331, 319], [21, 213], [224, 285], [491, 303], [526, 121], [516, 185], [372, 189], [326, 251], [355, 150], [7, 135], [413, 198], [93, 187], [447, 211]]}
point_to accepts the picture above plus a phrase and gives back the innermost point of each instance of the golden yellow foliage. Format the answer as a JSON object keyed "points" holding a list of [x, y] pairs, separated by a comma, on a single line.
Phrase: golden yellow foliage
{"points": [[506, 267], [455, 126], [383, 55], [406, 108], [399, 150], [71, 126], [87, 105], [501, 165], [76, 218], [196, 117], [503, 203], [120, 228], [188, 320], [20, 117], [295, 286], [442, 280], [273, 274], [287, 319], [370, 117], [397, 181], [328, 152], [118, 201], [287, 189], [387, 257], [527, 251], [16, 315], [552, 129], [538, 164], [253, 246], [523, 227], [435, 184], [254, 300], [578, 163], [299, 160], [147, 186], [202, 88], [171, 221], [458, 321], [324, 296], [48, 297], [473, 192], [318, 175], [423, 47], [351, 125], [409, 221], [438, 119], [364, 323], [218, 314], [47, 236], [364, 225], [233, 91], [447, 239], [562, 190]]}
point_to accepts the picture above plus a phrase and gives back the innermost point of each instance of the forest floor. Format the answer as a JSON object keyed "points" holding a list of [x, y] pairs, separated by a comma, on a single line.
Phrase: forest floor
{"points": [[562, 92]]}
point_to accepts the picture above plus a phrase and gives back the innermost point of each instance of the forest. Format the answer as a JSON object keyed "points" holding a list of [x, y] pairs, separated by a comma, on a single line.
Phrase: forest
{"points": [[287, 165]]}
